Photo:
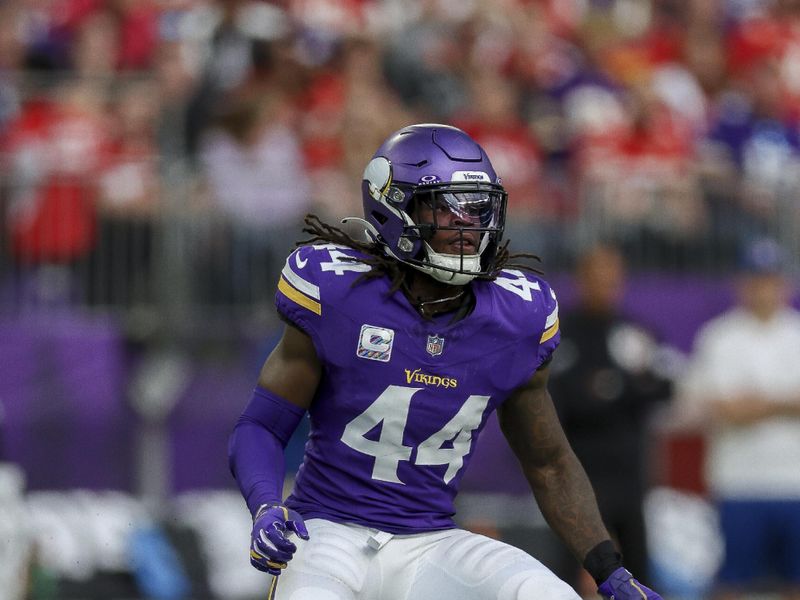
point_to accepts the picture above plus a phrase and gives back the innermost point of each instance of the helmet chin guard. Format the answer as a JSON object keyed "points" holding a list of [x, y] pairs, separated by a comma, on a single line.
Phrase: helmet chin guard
{"points": [[455, 269], [448, 171]]}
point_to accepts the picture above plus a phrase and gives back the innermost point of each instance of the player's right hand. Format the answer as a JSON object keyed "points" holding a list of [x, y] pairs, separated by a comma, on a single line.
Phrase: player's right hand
{"points": [[622, 586], [270, 547]]}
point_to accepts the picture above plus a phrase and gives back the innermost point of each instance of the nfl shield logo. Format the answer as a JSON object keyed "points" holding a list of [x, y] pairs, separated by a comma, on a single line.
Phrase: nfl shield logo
{"points": [[435, 345]]}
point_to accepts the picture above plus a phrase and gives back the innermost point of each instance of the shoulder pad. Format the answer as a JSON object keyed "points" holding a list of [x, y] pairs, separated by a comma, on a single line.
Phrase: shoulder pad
{"points": [[308, 270], [531, 299]]}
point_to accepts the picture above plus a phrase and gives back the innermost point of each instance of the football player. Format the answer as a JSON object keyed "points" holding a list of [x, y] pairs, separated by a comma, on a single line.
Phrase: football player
{"points": [[405, 330]]}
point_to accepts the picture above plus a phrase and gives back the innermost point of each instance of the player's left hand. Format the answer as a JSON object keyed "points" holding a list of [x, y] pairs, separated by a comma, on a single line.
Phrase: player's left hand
{"points": [[621, 585], [270, 547]]}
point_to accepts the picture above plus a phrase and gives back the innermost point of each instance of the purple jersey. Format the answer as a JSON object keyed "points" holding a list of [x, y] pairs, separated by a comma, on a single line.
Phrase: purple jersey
{"points": [[402, 399]]}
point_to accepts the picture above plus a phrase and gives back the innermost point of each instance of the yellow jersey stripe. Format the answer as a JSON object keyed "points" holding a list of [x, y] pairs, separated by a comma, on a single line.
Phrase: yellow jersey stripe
{"points": [[299, 298], [549, 332]]}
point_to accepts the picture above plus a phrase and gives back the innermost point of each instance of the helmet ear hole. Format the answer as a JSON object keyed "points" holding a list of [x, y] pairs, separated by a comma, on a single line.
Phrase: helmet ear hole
{"points": [[379, 217]]}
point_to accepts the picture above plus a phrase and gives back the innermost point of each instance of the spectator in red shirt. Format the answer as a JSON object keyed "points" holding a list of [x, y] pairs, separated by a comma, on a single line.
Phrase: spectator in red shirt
{"points": [[55, 152]]}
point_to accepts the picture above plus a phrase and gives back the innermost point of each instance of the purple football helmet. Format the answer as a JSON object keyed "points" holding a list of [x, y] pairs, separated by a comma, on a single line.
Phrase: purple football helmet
{"points": [[443, 167]]}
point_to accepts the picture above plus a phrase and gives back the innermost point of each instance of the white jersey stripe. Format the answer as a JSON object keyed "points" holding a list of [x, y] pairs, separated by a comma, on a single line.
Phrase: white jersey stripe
{"points": [[308, 288], [551, 318]]}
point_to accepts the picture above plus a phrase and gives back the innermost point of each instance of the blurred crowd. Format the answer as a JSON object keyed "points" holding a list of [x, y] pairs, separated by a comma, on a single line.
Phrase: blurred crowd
{"points": [[674, 121], [138, 137]]}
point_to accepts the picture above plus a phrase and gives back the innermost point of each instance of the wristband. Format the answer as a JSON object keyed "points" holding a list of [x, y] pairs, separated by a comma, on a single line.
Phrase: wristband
{"points": [[602, 560]]}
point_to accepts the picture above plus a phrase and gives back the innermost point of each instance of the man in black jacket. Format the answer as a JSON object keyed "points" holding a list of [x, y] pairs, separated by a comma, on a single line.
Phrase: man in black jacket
{"points": [[604, 383]]}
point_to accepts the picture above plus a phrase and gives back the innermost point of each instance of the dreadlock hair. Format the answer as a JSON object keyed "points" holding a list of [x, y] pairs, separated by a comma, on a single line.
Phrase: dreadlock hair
{"points": [[397, 271], [381, 263]]}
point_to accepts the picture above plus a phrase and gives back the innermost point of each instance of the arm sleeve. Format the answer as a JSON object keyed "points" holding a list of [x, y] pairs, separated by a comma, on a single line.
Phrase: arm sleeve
{"points": [[255, 449]]}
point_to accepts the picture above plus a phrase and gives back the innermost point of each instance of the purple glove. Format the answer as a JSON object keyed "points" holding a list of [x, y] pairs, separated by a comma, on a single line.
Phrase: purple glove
{"points": [[621, 585], [270, 548]]}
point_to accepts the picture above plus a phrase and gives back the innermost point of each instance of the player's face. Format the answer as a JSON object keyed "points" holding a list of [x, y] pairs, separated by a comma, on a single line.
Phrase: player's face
{"points": [[453, 234]]}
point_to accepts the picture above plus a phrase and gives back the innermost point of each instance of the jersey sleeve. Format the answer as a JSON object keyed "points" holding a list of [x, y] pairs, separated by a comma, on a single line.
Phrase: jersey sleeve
{"points": [[298, 298], [551, 332], [314, 293], [526, 309]]}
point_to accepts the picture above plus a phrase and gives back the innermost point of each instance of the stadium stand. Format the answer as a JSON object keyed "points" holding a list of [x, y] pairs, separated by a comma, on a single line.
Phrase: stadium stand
{"points": [[157, 158]]}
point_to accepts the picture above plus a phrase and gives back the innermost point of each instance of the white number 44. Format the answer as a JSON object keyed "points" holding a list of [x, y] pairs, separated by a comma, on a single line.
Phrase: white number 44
{"points": [[518, 284], [390, 410]]}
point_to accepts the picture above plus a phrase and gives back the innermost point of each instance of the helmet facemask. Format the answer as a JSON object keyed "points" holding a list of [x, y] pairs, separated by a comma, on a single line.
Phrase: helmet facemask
{"points": [[473, 212]]}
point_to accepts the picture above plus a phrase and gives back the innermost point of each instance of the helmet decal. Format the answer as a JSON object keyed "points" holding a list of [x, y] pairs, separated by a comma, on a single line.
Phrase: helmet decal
{"points": [[470, 176], [378, 176]]}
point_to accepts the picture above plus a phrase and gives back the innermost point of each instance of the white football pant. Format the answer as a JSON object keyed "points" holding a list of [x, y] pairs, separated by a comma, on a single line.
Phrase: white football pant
{"points": [[350, 562]]}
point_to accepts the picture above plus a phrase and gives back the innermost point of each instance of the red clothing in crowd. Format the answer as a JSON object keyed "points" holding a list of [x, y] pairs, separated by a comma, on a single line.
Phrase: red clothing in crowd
{"points": [[55, 155], [516, 158]]}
